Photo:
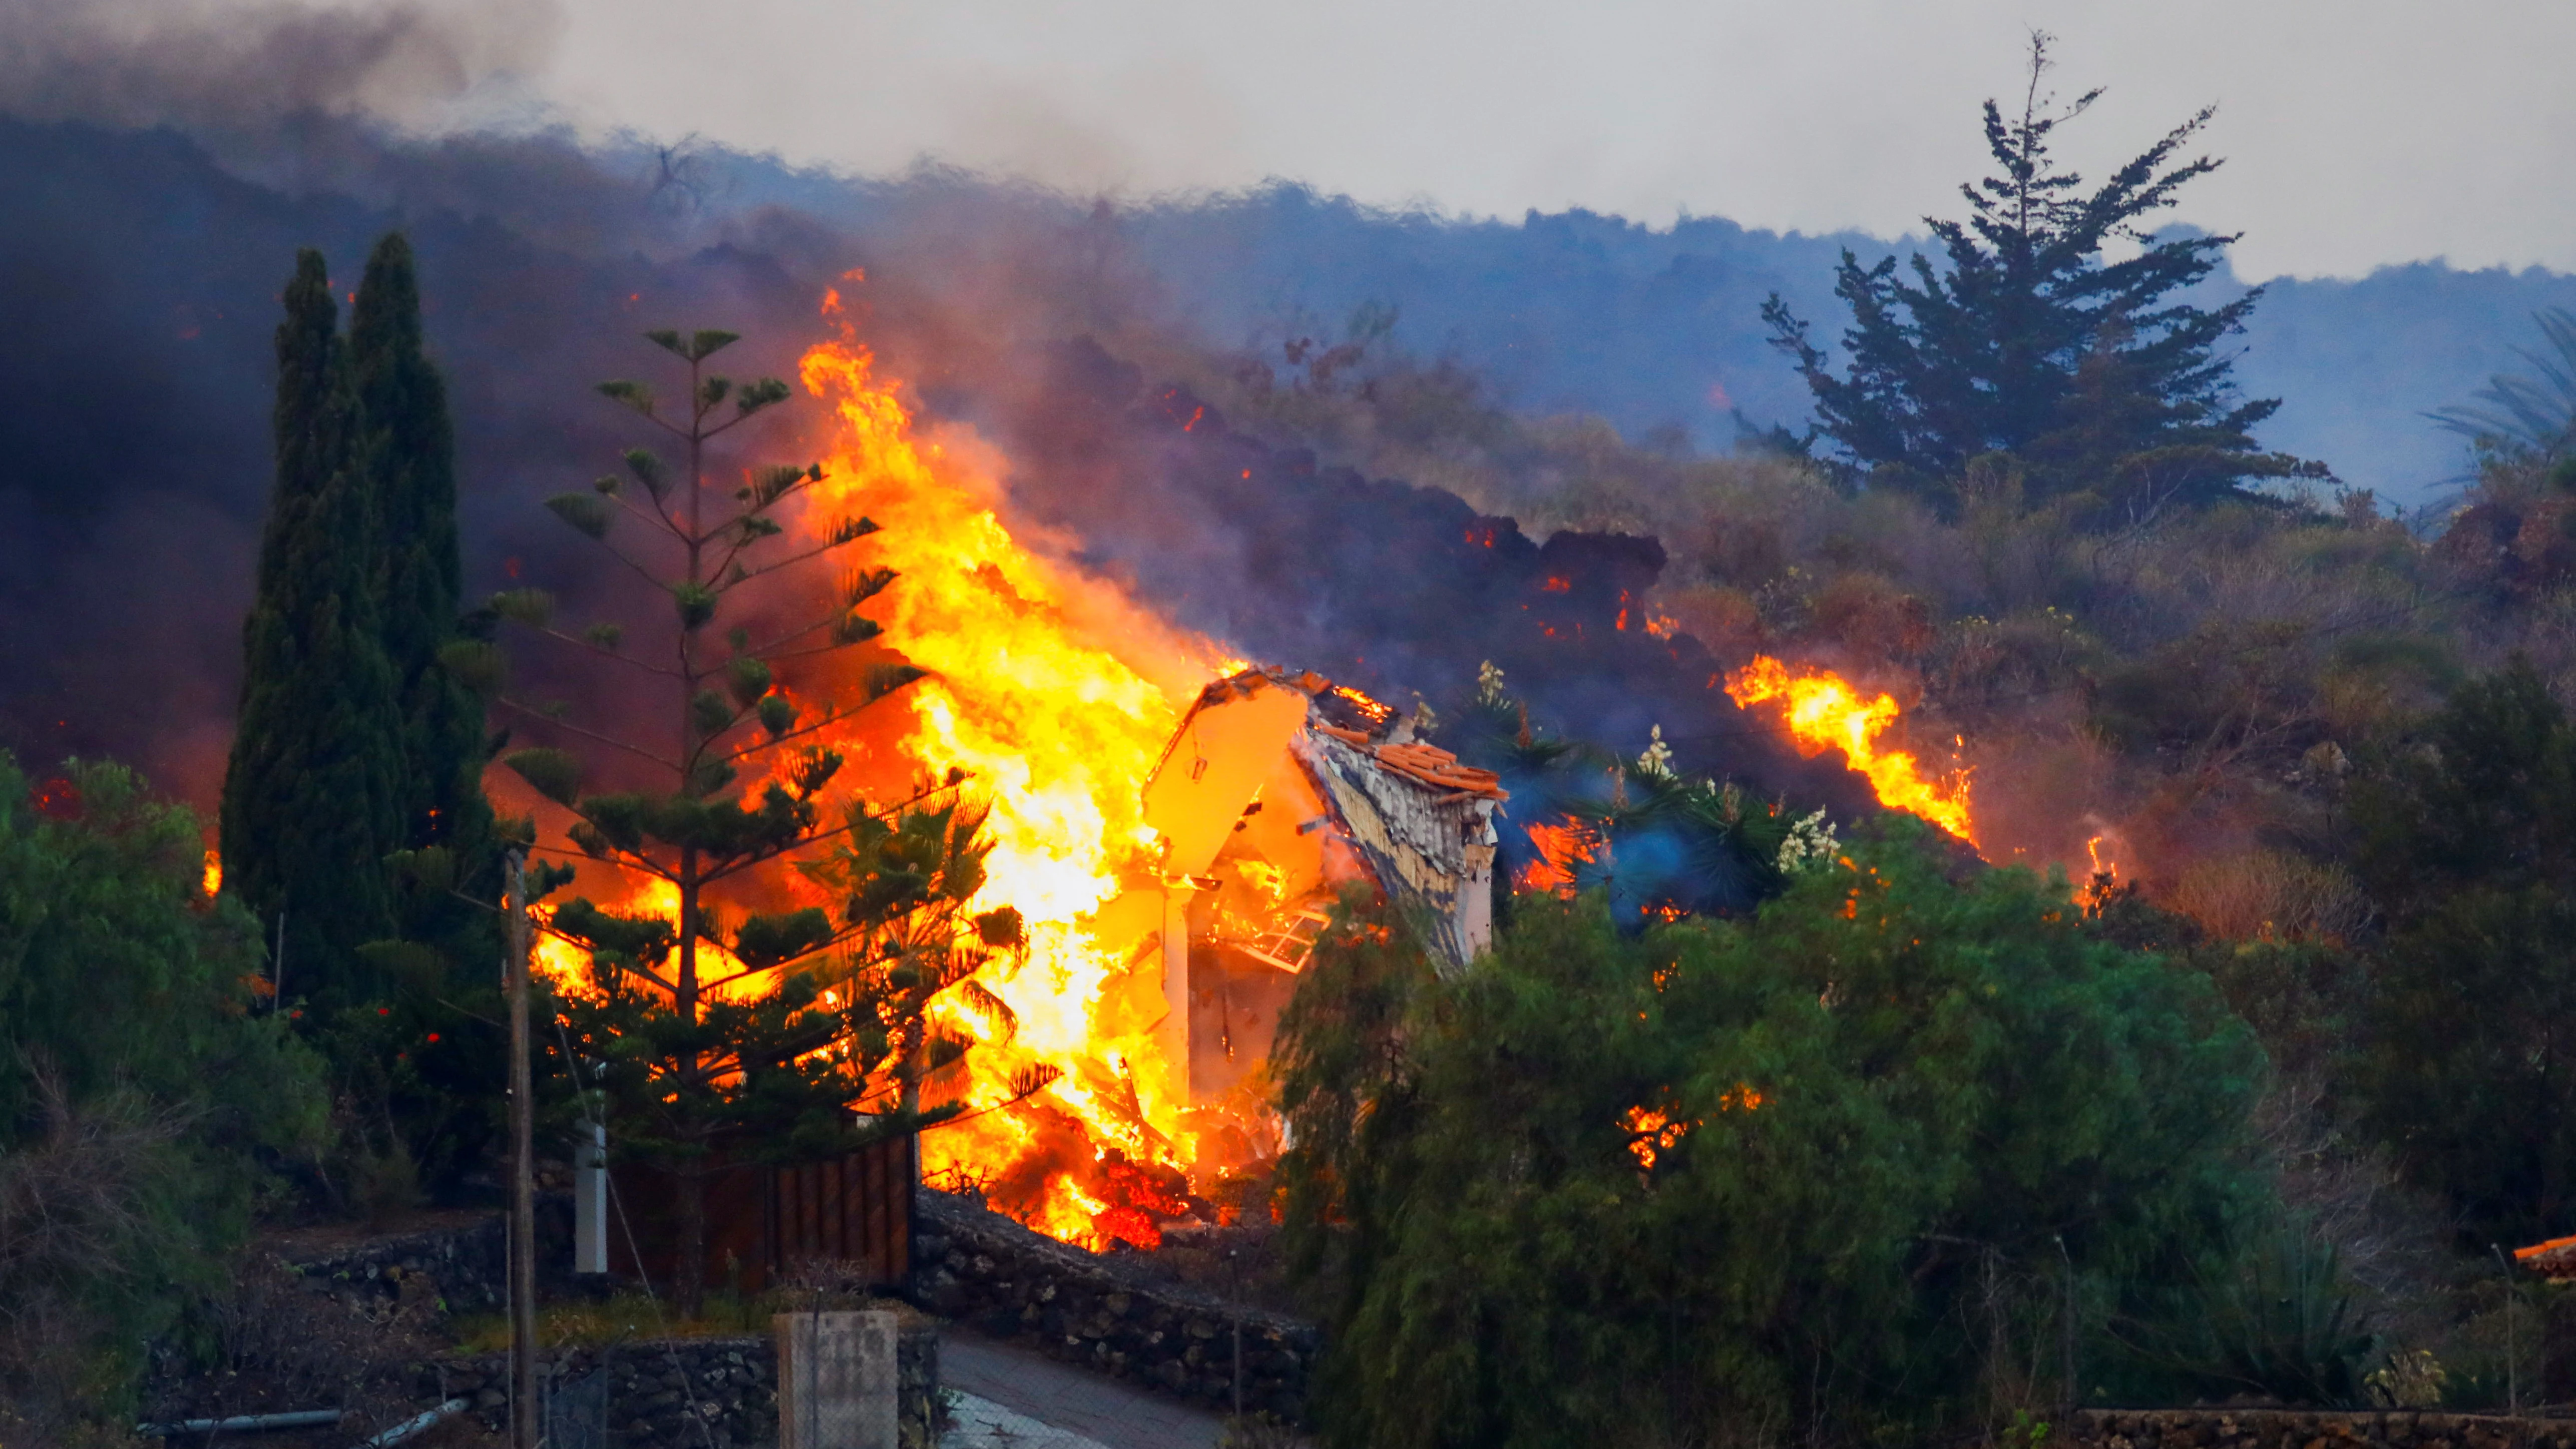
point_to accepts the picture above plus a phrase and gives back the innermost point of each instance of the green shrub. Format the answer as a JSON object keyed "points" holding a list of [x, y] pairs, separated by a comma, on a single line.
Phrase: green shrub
{"points": [[142, 1090], [1824, 1173]]}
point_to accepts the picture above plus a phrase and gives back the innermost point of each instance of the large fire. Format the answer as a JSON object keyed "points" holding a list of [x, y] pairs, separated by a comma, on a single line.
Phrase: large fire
{"points": [[1053, 696], [1824, 710], [1056, 730]]}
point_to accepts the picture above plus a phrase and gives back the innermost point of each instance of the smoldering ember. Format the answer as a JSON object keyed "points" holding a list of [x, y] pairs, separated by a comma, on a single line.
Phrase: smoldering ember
{"points": [[653, 798]]}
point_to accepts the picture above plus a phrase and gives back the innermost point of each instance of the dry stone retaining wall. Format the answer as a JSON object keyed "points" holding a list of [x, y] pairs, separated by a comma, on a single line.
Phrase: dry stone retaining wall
{"points": [[704, 1393], [464, 1263], [1087, 1309], [2309, 1429]]}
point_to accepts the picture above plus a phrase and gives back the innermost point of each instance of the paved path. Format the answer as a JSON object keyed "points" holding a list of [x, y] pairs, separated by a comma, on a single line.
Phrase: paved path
{"points": [[1089, 1411], [982, 1424]]}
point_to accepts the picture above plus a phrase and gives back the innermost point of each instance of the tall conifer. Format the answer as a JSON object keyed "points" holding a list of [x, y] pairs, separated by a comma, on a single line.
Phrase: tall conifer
{"points": [[313, 795], [2031, 345], [408, 452]]}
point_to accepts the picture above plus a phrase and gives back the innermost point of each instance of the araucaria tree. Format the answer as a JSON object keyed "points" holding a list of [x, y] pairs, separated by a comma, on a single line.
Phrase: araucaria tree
{"points": [[2088, 376], [736, 1027]]}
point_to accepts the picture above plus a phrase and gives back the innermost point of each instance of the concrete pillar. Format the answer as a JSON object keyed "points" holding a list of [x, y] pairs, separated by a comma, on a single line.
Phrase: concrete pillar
{"points": [[590, 1198], [1173, 1036], [836, 1381]]}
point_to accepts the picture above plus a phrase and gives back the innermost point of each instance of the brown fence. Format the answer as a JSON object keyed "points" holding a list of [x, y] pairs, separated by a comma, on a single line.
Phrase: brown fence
{"points": [[762, 1221], [855, 1209]]}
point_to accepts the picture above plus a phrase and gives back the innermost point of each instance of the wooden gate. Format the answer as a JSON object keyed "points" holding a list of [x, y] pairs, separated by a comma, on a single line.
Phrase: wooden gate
{"points": [[854, 1212]]}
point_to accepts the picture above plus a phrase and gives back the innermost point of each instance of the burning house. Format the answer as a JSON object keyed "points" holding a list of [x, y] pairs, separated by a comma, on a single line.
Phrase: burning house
{"points": [[1275, 791], [1172, 846]]}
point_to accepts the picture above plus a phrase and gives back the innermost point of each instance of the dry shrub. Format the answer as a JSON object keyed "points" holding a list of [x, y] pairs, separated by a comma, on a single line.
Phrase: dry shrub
{"points": [[281, 1341], [77, 1254], [1259, 1431], [2391, 1243], [1871, 618], [1724, 619], [2259, 894], [2012, 666]]}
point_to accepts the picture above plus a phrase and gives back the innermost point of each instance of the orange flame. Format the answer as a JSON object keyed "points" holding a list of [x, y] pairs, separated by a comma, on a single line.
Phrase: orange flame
{"points": [[1054, 694], [1823, 710], [1038, 689], [1651, 1131], [1564, 847], [2102, 887], [214, 876]]}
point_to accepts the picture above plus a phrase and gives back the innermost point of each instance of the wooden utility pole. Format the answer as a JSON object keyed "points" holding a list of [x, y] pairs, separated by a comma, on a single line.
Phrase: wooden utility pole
{"points": [[523, 1183]]}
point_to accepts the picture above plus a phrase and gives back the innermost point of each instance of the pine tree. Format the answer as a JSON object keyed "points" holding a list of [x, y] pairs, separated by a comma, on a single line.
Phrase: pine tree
{"points": [[313, 791], [706, 1060], [2089, 375], [407, 450]]}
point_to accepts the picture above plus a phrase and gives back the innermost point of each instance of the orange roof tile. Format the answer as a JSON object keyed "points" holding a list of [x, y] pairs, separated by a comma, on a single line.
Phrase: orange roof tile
{"points": [[1425, 764]]}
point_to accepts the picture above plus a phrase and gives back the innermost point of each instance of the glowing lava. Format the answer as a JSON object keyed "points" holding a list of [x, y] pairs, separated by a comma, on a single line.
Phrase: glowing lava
{"points": [[1823, 709]]}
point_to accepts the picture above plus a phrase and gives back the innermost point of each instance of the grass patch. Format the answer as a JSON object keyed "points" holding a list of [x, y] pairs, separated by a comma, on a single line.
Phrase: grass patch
{"points": [[631, 1316]]}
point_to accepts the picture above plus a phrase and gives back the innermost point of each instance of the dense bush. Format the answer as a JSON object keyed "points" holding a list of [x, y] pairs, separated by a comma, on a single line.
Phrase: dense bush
{"points": [[2467, 833], [1834, 1170], [142, 1086]]}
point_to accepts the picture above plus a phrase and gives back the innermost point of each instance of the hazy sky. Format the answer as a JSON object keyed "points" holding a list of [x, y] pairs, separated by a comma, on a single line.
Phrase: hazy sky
{"points": [[2358, 132]]}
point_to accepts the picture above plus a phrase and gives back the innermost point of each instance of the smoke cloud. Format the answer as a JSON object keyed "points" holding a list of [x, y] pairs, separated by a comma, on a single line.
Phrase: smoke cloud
{"points": [[140, 269], [223, 63]]}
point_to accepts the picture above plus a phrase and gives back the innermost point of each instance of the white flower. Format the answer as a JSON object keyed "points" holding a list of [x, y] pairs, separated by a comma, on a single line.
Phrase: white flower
{"points": [[1811, 843], [1658, 758], [1489, 683]]}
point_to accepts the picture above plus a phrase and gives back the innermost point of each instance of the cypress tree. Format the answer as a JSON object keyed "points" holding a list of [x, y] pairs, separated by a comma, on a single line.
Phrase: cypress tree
{"points": [[312, 793], [429, 1058], [407, 451]]}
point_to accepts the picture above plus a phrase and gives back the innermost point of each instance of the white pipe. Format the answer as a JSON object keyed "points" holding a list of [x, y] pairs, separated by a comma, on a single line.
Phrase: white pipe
{"points": [[590, 1198], [241, 1423], [411, 1426]]}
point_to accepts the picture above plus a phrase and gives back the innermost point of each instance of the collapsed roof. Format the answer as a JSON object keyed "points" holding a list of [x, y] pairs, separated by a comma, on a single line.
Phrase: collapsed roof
{"points": [[1420, 822], [1275, 790]]}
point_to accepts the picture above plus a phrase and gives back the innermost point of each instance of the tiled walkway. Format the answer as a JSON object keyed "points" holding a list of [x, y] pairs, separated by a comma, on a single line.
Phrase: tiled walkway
{"points": [[1107, 1413]]}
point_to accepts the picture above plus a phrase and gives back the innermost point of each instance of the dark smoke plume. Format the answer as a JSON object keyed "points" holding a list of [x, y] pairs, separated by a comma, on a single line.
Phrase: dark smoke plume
{"points": [[232, 65], [139, 271]]}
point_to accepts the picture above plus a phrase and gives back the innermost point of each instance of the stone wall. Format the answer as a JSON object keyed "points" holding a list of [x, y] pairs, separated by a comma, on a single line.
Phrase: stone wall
{"points": [[702, 1393], [707, 1393], [1088, 1309], [464, 1263], [2308, 1429]]}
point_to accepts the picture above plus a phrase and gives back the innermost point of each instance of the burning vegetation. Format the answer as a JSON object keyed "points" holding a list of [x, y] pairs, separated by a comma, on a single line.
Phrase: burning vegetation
{"points": [[1167, 866], [1657, 994], [1823, 711]]}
